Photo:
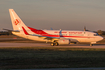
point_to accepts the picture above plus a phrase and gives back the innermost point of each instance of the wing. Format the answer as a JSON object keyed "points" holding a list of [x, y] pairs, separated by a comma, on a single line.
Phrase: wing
{"points": [[46, 37], [54, 38]]}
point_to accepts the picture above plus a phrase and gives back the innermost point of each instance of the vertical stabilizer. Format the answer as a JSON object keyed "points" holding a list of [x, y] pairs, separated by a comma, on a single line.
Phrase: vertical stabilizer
{"points": [[12, 15], [17, 23]]}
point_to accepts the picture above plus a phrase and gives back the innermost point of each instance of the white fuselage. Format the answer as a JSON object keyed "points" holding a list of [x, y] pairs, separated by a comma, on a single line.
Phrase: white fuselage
{"points": [[76, 36]]}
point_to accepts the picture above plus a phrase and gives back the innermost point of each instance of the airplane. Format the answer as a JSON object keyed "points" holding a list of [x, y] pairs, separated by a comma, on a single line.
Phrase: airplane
{"points": [[55, 37]]}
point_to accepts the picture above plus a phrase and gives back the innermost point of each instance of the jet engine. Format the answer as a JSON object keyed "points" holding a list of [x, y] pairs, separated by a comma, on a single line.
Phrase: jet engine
{"points": [[63, 41]]}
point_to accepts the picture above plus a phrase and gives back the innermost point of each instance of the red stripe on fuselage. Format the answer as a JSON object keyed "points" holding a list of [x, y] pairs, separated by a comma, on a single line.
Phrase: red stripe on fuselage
{"points": [[25, 31], [41, 32]]}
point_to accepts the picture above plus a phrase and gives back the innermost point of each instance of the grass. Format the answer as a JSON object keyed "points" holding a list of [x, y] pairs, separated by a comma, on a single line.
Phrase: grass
{"points": [[38, 58]]}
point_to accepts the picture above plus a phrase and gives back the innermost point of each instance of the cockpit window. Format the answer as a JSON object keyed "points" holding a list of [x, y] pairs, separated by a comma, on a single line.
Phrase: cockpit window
{"points": [[96, 34]]}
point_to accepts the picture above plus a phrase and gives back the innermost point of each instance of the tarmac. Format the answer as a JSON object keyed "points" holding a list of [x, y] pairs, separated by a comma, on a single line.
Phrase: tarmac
{"points": [[5, 44]]}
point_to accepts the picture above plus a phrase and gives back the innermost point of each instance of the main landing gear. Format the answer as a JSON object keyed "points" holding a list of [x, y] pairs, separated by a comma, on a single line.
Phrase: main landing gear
{"points": [[54, 44]]}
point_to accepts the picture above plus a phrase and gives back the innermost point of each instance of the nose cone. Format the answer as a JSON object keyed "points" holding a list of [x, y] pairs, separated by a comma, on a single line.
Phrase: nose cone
{"points": [[101, 38]]}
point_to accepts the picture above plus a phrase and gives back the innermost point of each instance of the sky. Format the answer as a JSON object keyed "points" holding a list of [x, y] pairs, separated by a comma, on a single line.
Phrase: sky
{"points": [[56, 14]]}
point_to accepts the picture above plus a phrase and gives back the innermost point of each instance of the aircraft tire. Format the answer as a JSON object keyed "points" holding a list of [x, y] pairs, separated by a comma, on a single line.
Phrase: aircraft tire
{"points": [[52, 44], [56, 44]]}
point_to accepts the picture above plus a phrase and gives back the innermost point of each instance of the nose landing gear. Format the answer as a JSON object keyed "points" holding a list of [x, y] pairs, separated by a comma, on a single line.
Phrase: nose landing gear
{"points": [[91, 44]]}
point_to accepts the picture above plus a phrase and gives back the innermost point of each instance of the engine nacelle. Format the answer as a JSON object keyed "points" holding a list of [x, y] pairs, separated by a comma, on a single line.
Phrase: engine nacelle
{"points": [[63, 41]]}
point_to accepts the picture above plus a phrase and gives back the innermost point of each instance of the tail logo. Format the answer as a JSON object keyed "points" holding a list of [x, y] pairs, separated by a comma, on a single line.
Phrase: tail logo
{"points": [[17, 21]]}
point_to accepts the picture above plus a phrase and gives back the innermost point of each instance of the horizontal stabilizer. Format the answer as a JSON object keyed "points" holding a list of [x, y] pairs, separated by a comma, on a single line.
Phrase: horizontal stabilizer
{"points": [[11, 30]]}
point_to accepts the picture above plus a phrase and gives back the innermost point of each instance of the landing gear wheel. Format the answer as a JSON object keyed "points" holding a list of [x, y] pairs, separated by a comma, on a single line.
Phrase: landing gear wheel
{"points": [[54, 44]]}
